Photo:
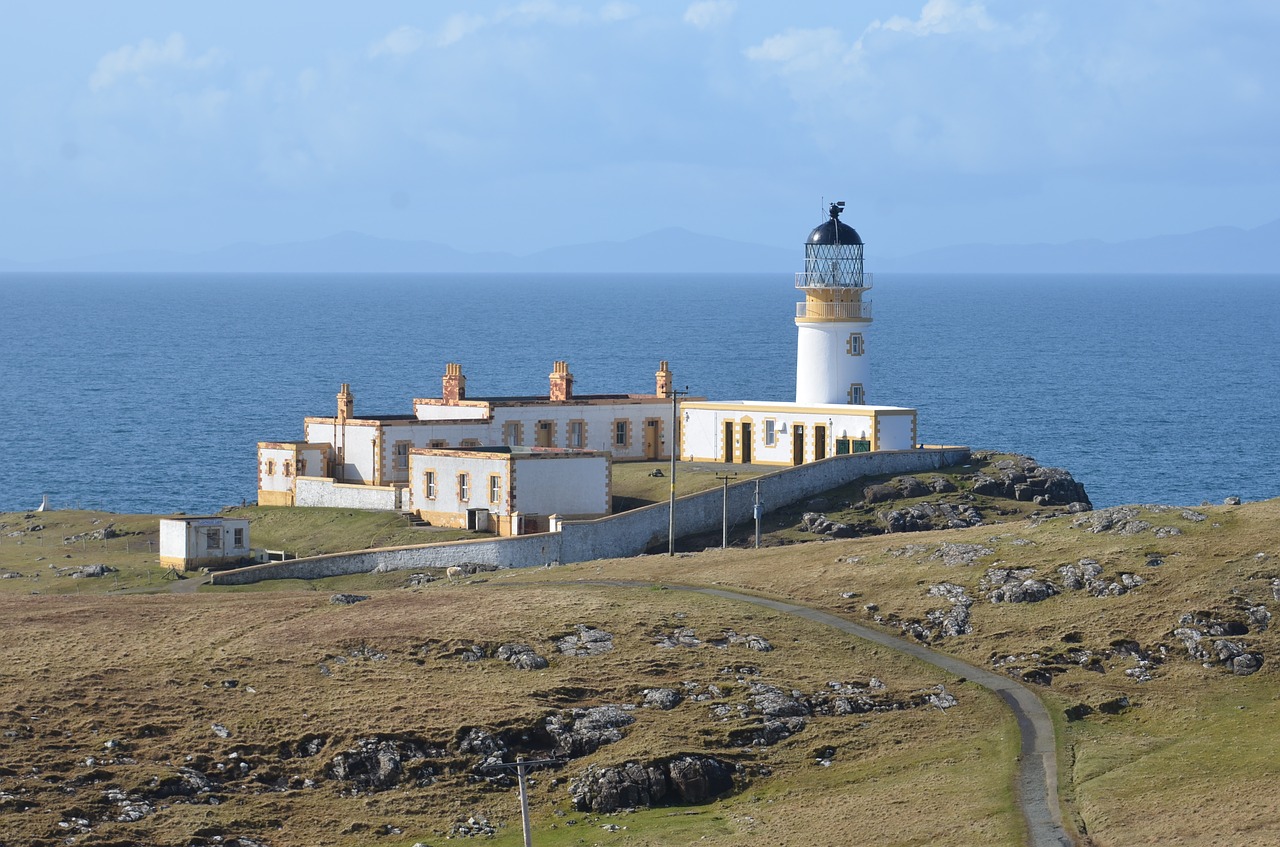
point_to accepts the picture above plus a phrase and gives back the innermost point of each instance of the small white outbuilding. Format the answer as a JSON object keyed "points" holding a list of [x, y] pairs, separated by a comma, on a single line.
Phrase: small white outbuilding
{"points": [[207, 541]]}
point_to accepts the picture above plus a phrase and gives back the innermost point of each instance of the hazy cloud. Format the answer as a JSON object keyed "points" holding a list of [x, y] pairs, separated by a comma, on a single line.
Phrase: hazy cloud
{"points": [[708, 14], [401, 41], [137, 60], [939, 17]]}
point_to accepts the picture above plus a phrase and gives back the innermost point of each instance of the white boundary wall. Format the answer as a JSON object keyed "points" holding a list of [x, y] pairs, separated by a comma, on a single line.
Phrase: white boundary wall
{"points": [[626, 534], [322, 491]]}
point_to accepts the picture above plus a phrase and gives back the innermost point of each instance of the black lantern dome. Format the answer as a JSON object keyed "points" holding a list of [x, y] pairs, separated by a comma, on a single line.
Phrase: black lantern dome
{"points": [[834, 231]]}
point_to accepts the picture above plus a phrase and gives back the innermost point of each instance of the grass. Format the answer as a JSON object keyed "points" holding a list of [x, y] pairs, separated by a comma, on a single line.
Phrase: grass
{"points": [[634, 484], [149, 672]]}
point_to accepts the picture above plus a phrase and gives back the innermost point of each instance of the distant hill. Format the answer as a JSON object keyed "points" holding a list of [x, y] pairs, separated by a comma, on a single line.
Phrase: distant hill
{"points": [[1218, 250], [674, 250]]}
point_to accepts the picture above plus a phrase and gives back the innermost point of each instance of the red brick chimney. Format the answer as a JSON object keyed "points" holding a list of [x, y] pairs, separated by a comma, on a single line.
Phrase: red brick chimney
{"points": [[455, 384], [561, 383]]}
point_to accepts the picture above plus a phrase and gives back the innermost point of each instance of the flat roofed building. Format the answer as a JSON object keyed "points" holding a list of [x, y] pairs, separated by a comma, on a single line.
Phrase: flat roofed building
{"points": [[508, 490], [205, 541]]}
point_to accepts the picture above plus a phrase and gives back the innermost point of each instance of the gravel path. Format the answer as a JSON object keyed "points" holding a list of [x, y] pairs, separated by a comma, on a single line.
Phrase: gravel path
{"points": [[1037, 779]]}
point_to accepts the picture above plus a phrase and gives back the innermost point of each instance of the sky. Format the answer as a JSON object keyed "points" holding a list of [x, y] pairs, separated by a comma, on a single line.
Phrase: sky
{"points": [[518, 126]]}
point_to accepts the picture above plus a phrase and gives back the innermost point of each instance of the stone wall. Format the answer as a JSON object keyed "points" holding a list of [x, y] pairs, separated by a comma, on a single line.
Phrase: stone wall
{"points": [[320, 491], [625, 534]]}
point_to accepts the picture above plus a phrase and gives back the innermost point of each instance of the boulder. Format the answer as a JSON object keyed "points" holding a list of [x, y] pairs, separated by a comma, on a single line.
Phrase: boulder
{"points": [[684, 779], [521, 656]]}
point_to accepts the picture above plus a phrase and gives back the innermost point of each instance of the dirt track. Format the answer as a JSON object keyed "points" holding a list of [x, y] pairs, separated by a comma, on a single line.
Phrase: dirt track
{"points": [[1037, 780]]}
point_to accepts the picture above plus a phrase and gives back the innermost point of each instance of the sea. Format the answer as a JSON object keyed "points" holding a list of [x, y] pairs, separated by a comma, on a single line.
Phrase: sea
{"points": [[149, 393]]}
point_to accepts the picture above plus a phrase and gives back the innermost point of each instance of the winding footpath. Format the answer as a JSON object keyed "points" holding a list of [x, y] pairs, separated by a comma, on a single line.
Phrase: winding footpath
{"points": [[1037, 780]]}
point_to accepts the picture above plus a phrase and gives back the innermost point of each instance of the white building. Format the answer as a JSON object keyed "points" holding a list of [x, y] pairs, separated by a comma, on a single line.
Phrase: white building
{"points": [[190, 543], [363, 461], [829, 416], [508, 490]]}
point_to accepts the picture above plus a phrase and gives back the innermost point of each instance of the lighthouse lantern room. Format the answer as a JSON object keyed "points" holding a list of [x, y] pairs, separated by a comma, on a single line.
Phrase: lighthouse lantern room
{"points": [[831, 352]]}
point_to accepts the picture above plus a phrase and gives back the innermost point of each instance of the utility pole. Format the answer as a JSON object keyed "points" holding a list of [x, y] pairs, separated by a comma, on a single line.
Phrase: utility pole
{"points": [[724, 530], [519, 766], [757, 512], [674, 447]]}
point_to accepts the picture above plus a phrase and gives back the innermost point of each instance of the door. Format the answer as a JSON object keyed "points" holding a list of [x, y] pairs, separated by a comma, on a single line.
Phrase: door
{"points": [[819, 442], [728, 442], [544, 434], [746, 443], [651, 434], [797, 444]]}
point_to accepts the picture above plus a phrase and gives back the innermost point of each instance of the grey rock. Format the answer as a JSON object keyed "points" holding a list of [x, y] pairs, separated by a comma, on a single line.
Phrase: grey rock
{"points": [[1246, 664], [954, 555], [580, 732], [588, 641], [348, 599], [377, 764], [661, 698], [1231, 501], [521, 656]]}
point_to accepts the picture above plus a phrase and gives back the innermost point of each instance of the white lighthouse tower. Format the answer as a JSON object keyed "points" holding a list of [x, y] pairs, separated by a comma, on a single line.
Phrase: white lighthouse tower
{"points": [[831, 351]]}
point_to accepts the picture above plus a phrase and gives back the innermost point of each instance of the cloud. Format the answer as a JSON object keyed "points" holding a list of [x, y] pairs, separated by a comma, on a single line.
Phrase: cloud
{"points": [[802, 50], [401, 41], [146, 56], [709, 14], [940, 17]]}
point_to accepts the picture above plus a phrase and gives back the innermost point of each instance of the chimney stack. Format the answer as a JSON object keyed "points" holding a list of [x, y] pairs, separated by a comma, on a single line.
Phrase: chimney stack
{"points": [[346, 403], [664, 379], [561, 383], [455, 384]]}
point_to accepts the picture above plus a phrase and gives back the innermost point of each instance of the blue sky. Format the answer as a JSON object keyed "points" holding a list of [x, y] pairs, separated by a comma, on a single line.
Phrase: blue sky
{"points": [[523, 125]]}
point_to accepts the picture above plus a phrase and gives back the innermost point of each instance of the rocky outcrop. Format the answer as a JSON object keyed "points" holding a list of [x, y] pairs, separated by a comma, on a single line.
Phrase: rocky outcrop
{"points": [[580, 732], [1086, 575], [681, 780], [926, 516], [1214, 641], [586, 641], [1022, 478], [521, 656], [1015, 585], [821, 525], [376, 764]]}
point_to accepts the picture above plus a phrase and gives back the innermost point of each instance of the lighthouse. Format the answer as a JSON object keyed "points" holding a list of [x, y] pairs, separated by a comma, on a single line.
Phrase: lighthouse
{"points": [[831, 350]]}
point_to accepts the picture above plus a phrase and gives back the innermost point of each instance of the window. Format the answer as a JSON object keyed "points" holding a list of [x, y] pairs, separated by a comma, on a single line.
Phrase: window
{"points": [[438, 444], [464, 486], [213, 538], [429, 484], [856, 395], [271, 467], [302, 467], [621, 433], [495, 488], [470, 442], [400, 455], [511, 433], [238, 537], [854, 346], [577, 433], [770, 432], [288, 468]]}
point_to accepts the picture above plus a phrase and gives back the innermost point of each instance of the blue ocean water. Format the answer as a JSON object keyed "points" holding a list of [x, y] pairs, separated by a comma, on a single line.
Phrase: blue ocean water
{"points": [[148, 393]]}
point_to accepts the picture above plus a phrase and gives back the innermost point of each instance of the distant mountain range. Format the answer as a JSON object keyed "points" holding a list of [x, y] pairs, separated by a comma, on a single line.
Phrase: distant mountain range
{"points": [[1218, 250]]}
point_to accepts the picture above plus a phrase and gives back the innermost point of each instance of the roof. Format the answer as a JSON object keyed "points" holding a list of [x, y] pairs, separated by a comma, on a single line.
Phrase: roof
{"points": [[784, 406], [834, 232]]}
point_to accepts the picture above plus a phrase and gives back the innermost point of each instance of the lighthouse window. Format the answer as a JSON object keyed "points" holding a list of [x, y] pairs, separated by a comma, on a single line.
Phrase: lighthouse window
{"points": [[856, 395], [770, 432], [855, 344]]}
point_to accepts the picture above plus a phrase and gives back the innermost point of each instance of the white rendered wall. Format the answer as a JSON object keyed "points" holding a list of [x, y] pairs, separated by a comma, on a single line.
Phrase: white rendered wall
{"points": [[563, 485], [433, 412], [173, 539], [354, 442], [446, 470], [824, 368], [704, 429], [896, 432], [276, 480]]}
